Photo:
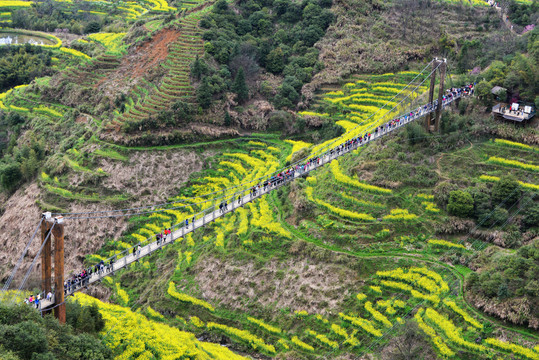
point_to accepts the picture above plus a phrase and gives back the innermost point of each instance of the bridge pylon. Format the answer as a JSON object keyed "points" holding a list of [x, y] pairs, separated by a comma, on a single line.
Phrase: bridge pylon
{"points": [[57, 226], [432, 123]]}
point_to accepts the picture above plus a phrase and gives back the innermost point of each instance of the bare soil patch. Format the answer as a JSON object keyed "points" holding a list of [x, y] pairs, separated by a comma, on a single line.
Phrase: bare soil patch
{"points": [[299, 284], [19, 221], [150, 53], [151, 176], [140, 61]]}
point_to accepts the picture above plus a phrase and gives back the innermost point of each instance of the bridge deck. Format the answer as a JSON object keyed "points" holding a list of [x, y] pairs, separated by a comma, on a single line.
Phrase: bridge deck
{"points": [[209, 217]]}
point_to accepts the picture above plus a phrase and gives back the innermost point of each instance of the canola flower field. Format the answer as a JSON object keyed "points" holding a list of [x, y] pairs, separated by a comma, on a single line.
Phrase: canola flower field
{"points": [[382, 305], [345, 207]]}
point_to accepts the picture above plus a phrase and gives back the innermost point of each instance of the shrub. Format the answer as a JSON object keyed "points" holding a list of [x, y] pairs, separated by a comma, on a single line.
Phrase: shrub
{"points": [[506, 190], [10, 176], [498, 216], [460, 203]]}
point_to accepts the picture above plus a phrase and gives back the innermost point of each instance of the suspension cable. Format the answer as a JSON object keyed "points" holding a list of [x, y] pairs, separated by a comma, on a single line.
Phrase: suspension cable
{"points": [[247, 182], [36, 257], [18, 264], [241, 186]]}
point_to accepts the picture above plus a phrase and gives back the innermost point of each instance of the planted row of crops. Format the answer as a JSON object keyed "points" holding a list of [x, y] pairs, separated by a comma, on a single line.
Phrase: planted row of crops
{"points": [[390, 298], [516, 157], [239, 169], [381, 305], [129, 9], [149, 101], [385, 303]]}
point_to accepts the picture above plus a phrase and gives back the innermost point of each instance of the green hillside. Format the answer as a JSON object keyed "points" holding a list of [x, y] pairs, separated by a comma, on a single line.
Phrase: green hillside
{"points": [[133, 117]]}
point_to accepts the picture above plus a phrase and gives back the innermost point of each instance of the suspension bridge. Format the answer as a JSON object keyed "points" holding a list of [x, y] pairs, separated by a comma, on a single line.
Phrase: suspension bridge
{"points": [[53, 226]]}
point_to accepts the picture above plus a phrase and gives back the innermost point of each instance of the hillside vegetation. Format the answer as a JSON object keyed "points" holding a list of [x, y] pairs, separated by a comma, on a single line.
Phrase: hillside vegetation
{"points": [[416, 246]]}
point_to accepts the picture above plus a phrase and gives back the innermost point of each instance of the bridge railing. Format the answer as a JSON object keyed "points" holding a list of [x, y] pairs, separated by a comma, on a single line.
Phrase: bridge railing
{"points": [[237, 199]]}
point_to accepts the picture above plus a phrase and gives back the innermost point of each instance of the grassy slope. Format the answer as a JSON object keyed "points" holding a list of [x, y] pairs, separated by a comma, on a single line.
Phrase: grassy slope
{"points": [[320, 242]]}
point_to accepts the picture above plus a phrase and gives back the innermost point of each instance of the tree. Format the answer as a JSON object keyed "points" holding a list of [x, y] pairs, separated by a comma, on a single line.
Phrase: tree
{"points": [[228, 119], [416, 133], [221, 6], [481, 204], [442, 191], [10, 176], [482, 90], [204, 94], [275, 61], [182, 112], [503, 291], [460, 204], [24, 338], [506, 190], [92, 27], [490, 283], [498, 216], [199, 68], [531, 216], [29, 165], [281, 6], [240, 86]]}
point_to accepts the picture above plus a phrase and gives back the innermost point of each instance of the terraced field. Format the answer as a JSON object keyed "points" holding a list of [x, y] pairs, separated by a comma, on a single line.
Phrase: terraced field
{"points": [[175, 85], [352, 216], [338, 264]]}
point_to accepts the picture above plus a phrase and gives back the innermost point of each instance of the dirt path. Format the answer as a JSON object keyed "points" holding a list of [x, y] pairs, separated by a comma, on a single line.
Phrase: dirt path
{"points": [[505, 19], [438, 168]]}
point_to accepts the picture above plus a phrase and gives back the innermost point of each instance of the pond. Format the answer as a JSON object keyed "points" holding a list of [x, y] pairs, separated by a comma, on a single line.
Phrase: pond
{"points": [[7, 38]]}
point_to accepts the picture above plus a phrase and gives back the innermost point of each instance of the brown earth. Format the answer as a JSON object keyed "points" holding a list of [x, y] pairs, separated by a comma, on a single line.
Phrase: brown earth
{"points": [[140, 61], [19, 221], [149, 176], [298, 284], [520, 311], [192, 132], [150, 53]]}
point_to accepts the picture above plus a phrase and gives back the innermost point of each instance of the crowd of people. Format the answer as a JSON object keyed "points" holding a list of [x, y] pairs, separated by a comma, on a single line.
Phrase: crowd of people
{"points": [[82, 278], [162, 236], [35, 300]]}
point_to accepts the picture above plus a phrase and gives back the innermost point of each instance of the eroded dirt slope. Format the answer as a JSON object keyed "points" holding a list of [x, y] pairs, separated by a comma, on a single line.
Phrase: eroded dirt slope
{"points": [[149, 177], [297, 284]]}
